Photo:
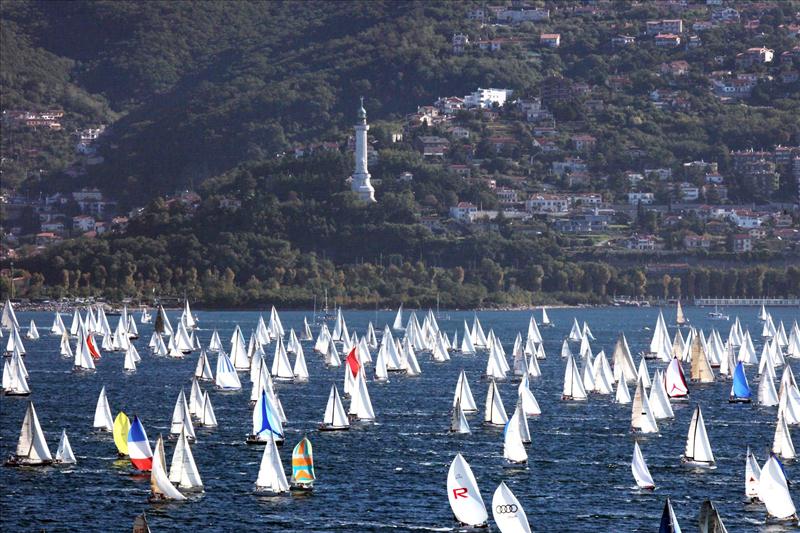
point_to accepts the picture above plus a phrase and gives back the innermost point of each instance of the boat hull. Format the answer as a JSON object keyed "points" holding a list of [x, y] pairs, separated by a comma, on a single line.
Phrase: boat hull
{"points": [[325, 427], [740, 400], [253, 439], [22, 461]]}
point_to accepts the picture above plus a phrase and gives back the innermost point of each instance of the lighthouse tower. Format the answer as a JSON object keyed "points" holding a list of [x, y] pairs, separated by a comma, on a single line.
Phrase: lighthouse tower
{"points": [[361, 185]]}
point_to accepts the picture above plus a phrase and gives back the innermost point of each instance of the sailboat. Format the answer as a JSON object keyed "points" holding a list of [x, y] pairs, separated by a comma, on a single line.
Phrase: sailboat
{"points": [[464, 496], [9, 318], [139, 447], [360, 403], [398, 320], [181, 418], [546, 322], [203, 369], [494, 413], [335, 418], [266, 423], [102, 414], [15, 377], [33, 333], [64, 455], [573, 384], [303, 467], [271, 477], [463, 395], [161, 489], [642, 418], [701, 368], [710, 521], [183, 470], [782, 444], [752, 473], [226, 378], [121, 428], [513, 447], [458, 422], [508, 513], [206, 417], [640, 471], [674, 381], [762, 314], [740, 390], [32, 449], [669, 522], [698, 448], [680, 318], [773, 490]]}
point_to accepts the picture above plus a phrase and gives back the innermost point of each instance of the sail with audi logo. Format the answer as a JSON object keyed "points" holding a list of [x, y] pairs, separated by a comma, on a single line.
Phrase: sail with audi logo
{"points": [[508, 513], [465, 498]]}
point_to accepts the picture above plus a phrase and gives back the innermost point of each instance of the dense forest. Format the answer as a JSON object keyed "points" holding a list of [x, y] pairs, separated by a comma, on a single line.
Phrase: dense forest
{"points": [[212, 97]]}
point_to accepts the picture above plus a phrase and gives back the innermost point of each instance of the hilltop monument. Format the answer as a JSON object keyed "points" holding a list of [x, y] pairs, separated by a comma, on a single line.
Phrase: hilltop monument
{"points": [[360, 179]]}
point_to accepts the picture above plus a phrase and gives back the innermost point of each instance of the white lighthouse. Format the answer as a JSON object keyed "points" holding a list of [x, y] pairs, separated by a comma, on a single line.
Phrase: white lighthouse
{"points": [[360, 184]]}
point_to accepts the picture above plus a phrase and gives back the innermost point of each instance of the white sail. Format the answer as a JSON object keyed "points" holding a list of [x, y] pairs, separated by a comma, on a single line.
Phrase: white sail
{"points": [[281, 368], [226, 377], [102, 413], [773, 490], [575, 334], [674, 381], [271, 476], [183, 470], [335, 416], [64, 453], [698, 448], [458, 422], [602, 374], [360, 403], [494, 411], [58, 327], [463, 394], [398, 319], [300, 369], [644, 374], [160, 485], [573, 385], [207, 418], [623, 395], [622, 360], [642, 418], [15, 376], [640, 471], [752, 473], [9, 318], [565, 351], [129, 364], [467, 347], [529, 404], [181, 418], [464, 495], [33, 333], [767, 395], [545, 319], [508, 513], [659, 401], [195, 398], [513, 448], [782, 444], [32, 447]]}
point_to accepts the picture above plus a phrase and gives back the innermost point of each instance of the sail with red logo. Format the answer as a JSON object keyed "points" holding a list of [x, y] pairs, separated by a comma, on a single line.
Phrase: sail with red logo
{"points": [[674, 381], [465, 498]]}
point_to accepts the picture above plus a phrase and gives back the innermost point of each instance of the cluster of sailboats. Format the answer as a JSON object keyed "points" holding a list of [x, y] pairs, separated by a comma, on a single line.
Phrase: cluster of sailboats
{"points": [[378, 358]]}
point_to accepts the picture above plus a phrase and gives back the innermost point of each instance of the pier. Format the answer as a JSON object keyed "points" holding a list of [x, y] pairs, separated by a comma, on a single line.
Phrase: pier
{"points": [[743, 302]]}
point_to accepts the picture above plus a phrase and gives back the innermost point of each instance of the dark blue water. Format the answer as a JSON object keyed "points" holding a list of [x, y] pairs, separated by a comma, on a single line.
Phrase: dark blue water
{"points": [[390, 475]]}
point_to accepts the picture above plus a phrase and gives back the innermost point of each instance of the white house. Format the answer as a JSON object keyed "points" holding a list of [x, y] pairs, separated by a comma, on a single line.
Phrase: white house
{"points": [[547, 203], [462, 211], [646, 198], [487, 98]]}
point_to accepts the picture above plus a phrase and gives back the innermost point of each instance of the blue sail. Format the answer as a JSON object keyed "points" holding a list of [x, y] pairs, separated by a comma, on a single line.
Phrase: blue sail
{"points": [[740, 387], [268, 421]]}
